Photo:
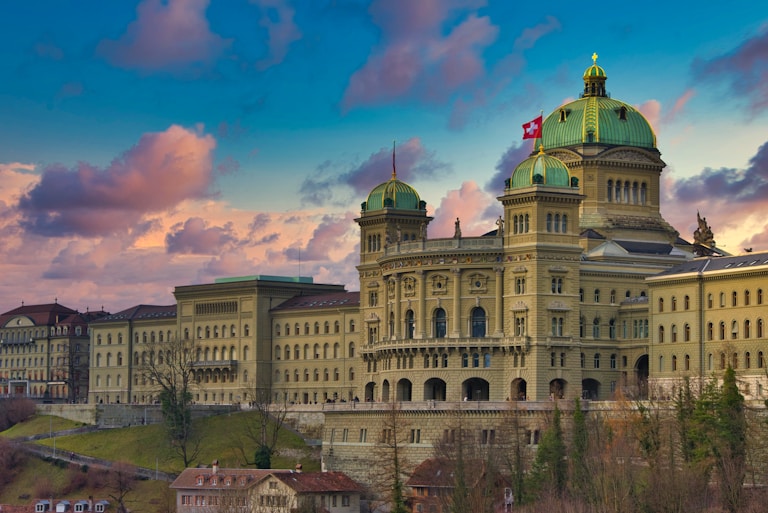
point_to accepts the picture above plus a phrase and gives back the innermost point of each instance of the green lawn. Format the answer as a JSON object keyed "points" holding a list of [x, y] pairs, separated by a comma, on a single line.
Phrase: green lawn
{"points": [[221, 437], [40, 424]]}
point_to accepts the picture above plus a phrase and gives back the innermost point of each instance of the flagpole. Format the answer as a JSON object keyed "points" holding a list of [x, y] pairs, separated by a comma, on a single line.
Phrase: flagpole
{"points": [[541, 115]]}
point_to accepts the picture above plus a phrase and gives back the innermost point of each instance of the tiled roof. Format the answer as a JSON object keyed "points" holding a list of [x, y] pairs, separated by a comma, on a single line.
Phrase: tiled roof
{"points": [[331, 300], [189, 477], [319, 482], [41, 315], [432, 472], [141, 312]]}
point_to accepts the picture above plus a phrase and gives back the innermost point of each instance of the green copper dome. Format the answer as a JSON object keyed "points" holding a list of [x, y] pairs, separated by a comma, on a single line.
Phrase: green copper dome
{"points": [[597, 118], [394, 194], [540, 169]]}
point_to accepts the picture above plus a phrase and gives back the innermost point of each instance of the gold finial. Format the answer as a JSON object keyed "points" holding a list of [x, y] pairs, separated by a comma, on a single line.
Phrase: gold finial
{"points": [[541, 149], [594, 58]]}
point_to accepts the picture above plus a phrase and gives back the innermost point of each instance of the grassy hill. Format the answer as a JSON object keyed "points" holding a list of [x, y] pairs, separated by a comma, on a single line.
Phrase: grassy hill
{"points": [[221, 437]]}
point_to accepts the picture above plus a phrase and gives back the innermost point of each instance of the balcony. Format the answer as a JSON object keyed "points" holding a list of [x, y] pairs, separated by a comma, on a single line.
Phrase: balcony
{"points": [[520, 344], [207, 364]]}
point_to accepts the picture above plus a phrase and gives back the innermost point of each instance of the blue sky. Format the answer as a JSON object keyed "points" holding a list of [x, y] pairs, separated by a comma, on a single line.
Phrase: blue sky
{"points": [[151, 144]]}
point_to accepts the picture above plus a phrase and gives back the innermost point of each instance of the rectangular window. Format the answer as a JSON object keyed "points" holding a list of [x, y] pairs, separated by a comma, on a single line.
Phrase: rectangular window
{"points": [[363, 435], [344, 435], [345, 500]]}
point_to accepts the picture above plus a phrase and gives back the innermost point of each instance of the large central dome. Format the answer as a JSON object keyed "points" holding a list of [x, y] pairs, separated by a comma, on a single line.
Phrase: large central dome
{"points": [[595, 118]]}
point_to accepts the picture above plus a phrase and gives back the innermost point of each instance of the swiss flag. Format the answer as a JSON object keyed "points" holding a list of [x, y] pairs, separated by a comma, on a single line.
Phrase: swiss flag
{"points": [[532, 129]]}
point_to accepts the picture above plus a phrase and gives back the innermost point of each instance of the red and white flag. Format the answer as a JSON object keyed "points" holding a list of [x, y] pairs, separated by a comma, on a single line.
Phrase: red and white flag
{"points": [[532, 129]]}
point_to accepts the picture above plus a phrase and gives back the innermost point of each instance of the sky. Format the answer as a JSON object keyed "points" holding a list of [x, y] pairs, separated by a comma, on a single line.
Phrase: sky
{"points": [[151, 144]]}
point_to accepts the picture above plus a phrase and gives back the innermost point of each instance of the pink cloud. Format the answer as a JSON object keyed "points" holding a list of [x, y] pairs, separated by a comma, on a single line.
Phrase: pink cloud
{"points": [[679, 105], [277, 19], [195, 237], [327, 238], [417, 57], [166, 37], [162, 170], [651, 109], [476, 209], [733, 198]]}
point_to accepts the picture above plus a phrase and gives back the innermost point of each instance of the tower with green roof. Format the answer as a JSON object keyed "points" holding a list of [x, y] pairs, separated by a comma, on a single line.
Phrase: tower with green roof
{"points": [[610, 147], [393, 218]]}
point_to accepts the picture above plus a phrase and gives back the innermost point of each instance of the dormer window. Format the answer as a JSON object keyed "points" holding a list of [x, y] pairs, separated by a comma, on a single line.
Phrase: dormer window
{"points": [[563, 116], [214, 481], [200, 480], [623, 113]]}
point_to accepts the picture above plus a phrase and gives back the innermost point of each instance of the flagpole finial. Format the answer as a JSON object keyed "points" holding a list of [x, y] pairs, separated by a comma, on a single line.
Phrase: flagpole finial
{"points": [[394, 169], [594, 58]]}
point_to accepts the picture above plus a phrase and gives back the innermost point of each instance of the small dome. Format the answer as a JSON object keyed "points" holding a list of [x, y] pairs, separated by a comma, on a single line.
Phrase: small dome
{"points": [[393, 194], [540, 169]]}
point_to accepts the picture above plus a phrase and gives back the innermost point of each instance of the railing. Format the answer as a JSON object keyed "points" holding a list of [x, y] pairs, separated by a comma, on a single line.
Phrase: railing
{"points": [[215, 363], [523, 343], [401, 248]]}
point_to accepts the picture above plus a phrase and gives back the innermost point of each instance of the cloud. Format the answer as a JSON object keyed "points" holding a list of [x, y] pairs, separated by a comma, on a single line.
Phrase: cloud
{"points": [[173, 36], [530, 36], [413, 162], [417, 58], [735, 197], [506, 164], [651, 109], [195, 237], [163, 169], [744, 70], [277, 19], [470, 204], [333, 232], [679, 105]]}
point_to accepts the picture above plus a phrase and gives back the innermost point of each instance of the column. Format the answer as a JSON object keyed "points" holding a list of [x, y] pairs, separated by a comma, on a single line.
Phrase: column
{"points": [[421, 321], [499, 328], [456, 317], [396, 279]]}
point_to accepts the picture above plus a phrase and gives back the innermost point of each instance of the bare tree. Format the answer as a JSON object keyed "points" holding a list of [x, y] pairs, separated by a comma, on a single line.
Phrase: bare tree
{"points": [[169, 367], [390, 473], [120, 483], [263, 426]]}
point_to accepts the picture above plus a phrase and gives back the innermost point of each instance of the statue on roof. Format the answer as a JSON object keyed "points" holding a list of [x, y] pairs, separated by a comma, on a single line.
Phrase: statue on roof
{"points": [[457, 229], [703, 235]]}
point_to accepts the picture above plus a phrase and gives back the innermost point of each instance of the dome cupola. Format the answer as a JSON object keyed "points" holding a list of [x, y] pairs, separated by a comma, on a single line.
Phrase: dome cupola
{"points": [[540, 169], [393, 194]]}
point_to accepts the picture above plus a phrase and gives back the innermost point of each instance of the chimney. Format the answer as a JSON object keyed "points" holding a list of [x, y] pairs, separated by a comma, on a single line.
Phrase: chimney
{"points": [[298, 468], [215, 466]]}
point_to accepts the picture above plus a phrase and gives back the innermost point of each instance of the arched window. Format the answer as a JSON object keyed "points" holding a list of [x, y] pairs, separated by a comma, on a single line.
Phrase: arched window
{"points": [[673, 332], [661, 304], [687, 363], [661, 334], [597, 295], [326, 327], [759, 296], [609, 192], [278, 352], [351, 349], [747, 360], [549, 222], [557, 223], [674, 303], [759, 328], [687, 332], [465, 360], [747, 329], [475, 360], [478, 322], [722, 330], [440, 323], [709, 301], [597, 361], [596, 327]]}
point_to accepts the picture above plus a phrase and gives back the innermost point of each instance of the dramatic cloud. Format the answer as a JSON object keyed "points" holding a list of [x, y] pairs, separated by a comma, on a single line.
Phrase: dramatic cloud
{"points": [[413, 162], [506, 164], [195, 237], [417, 56], [470, 205], [172, 36], [651, 109], [744, 69], [334, 235], [735, 198], [277, 20], [162, 170]]}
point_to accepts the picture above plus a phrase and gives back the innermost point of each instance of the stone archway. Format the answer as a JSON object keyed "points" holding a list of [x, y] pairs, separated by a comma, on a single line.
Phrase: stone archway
{"points": [[557, 388], [519, 390], [641, 376], [370, 391], [475, 389], [435, 389], [404, 389], [385, 391]]}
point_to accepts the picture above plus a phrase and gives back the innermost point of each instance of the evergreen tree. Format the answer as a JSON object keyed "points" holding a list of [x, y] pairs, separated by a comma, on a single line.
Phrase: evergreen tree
{"points": [[731, 443], [550, 467], [580, 479]]}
